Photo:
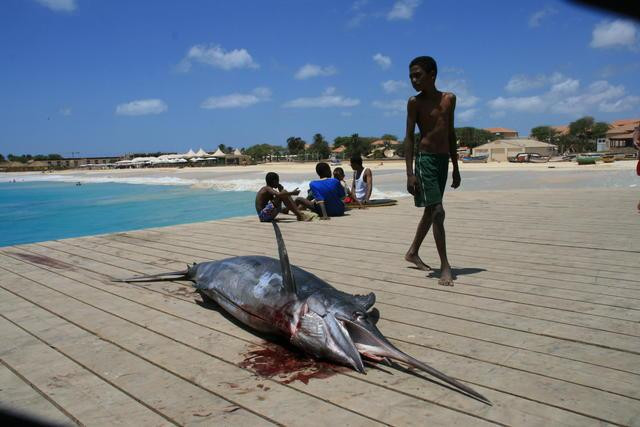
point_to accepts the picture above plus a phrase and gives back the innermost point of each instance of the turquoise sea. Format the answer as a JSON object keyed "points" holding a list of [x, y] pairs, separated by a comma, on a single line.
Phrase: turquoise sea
{"points": [[39, 211]]}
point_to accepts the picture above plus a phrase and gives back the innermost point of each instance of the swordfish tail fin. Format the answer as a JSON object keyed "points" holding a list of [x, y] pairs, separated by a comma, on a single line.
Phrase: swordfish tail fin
{"points": [[186, 274]]}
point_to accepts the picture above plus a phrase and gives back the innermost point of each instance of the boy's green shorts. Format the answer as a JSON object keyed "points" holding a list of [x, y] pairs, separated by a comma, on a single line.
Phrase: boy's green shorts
{"points": [[431, 171]]}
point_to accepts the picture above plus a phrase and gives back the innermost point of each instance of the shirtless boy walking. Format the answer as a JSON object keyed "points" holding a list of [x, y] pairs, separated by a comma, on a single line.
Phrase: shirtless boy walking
{"points": [[432, 111]]}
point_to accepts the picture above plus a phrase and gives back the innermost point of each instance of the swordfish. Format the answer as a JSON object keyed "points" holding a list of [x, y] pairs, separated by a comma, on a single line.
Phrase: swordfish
{"points": [[274, 297]]}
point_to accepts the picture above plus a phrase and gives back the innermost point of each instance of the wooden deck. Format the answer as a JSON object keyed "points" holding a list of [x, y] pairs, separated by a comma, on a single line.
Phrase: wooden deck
{"points": [[543, 320]]}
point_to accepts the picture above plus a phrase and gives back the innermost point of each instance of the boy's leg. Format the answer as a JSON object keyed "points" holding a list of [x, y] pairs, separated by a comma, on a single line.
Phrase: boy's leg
{"points": [[437, 218], [421, 232], [303, 203], [290, 205]]}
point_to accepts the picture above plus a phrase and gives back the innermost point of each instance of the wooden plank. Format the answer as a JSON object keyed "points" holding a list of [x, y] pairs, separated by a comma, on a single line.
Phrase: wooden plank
{"points": [[23, 398], [86, 399], [174, 397]]}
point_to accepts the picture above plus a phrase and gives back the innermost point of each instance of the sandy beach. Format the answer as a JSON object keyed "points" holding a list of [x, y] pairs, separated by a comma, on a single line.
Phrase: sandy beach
{"points": [[389, 176]]}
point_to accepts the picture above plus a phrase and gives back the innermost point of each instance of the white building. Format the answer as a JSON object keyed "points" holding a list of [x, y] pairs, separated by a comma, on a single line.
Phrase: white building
{"points": [[501, 149]]}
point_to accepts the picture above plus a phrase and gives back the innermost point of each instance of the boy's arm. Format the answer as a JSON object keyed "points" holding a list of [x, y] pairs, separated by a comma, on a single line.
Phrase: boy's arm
{"points": [[368, 177], [453, 146], [323, 209], [412, 115]]}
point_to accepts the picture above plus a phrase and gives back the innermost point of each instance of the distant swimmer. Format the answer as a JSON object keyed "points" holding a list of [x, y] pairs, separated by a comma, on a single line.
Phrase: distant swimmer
{"points": [[78, 183], [432, 111]]}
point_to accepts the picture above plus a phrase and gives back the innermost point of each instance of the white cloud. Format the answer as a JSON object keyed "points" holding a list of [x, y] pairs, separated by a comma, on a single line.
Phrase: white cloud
{"points": [[394, 104], [521, 83], [394, 107], [565, 96], [392, 86], [466, 115], [525, 104], [617, 33], [535, 18], [59, 5], [237, 100], [599, 94], [623, 104], [383, 61], [312, 70], [65, 111], [566, 86], [459, 87], [142, 107], [403, 9], [217, 57], [497, 114], [328, 99]]}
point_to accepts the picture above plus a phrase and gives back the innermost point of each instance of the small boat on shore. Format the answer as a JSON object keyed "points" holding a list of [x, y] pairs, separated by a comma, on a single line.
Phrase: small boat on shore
{"points": [[475, 159], [586, 160]]}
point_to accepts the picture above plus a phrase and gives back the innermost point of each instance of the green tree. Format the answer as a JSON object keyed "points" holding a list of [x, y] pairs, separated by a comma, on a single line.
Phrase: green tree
{"points": [[340, 141], [2, 159], [223, 148], [583, 133], [358, 145], [295, 145], [472, 137], [545, 134], [389, 137], [260, 152], [600, 129], [320, 147]]}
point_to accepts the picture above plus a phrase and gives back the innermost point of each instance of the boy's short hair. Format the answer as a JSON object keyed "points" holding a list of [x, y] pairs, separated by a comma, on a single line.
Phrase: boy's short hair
{"points": [[272, 178], [356, 159], [338, 171], [427, 63], [323, 170]]}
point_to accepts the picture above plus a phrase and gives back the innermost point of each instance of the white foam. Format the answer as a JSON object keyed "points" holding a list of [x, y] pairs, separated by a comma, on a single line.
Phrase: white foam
{"points": [[252, 185]]}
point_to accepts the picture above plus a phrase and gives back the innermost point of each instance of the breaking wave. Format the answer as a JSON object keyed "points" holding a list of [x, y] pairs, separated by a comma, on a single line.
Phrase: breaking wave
{"points": [[251, 185]]}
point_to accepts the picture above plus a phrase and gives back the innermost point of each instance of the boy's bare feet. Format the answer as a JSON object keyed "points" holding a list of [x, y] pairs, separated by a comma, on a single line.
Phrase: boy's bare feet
{"points": [[415, 259], [446, 277]]}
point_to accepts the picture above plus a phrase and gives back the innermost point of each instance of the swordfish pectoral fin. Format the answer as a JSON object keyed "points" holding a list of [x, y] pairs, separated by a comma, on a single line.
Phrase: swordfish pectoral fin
{"points": [[287, 275]]}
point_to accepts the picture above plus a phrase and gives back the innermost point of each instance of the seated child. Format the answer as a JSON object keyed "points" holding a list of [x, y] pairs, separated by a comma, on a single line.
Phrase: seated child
{"points": [[338, 173], [327, 194], [270, 198]]}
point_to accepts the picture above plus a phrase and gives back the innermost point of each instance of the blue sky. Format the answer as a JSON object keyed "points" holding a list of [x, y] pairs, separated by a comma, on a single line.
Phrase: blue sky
{"points": [[106, 77]]}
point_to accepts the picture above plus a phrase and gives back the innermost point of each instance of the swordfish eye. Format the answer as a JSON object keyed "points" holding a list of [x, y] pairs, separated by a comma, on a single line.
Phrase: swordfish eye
{"points": [[358, 315]]}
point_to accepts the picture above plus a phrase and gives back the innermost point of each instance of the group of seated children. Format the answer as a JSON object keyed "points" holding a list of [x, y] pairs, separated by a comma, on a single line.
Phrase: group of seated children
{"points": [[327, 195]]}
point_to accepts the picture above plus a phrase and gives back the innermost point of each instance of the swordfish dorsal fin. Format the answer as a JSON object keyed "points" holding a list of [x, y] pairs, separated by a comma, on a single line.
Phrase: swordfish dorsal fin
{"points": [[287, 275]]}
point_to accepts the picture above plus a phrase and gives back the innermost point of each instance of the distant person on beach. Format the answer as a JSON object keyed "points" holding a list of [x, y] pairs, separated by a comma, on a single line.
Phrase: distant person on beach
{"points": [[432, 111], [327, 194], [270, 198], [362, 180], [338, 173], [636, 143]]}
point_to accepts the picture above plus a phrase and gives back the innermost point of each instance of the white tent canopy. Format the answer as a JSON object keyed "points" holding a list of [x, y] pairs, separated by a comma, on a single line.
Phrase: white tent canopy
{"points": [[218, 153], [237, 152], [189, 154], [202, 153]]}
